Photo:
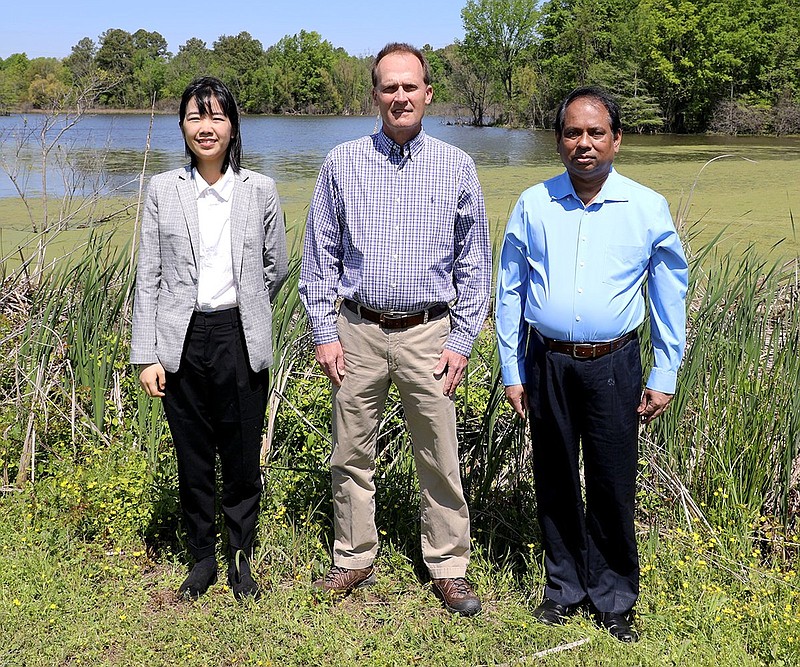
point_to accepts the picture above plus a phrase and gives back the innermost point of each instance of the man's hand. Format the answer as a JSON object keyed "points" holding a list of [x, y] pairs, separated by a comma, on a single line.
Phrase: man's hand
{"points": [[455, 364], [153, 380], [652, 405], [516, 396], [330, 357]]}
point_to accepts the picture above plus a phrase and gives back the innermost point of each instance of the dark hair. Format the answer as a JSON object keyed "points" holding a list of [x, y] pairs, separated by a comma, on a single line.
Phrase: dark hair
{"points": [[594, 93], [401, 47], [202, 90]]}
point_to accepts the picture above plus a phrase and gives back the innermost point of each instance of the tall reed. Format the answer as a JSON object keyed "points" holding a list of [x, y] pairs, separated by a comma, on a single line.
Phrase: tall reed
{"points": [[726, 450], [67, 342], [731, 436]]}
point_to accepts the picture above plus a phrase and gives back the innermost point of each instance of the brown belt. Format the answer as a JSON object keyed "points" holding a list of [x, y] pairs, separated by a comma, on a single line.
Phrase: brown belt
{"points": [[588, 350], [396, 320]]}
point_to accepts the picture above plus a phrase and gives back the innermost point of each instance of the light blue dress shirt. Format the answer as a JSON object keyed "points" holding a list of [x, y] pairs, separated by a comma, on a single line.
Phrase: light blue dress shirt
{"points": [[577, 273]]}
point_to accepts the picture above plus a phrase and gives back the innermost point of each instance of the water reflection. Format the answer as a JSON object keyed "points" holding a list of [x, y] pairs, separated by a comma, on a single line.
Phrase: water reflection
{"points": [[105, 151]]}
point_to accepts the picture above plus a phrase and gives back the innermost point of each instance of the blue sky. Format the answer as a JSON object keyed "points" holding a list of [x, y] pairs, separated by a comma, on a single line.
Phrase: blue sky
{"points": [[48, 28]]}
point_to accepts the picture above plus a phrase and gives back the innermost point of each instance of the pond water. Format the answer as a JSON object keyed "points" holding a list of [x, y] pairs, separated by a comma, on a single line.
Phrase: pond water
{"points": [[105, 151]]}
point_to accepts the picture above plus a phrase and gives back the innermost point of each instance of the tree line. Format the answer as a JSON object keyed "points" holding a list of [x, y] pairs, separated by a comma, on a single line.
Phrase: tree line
{"points": [[675, 65]]}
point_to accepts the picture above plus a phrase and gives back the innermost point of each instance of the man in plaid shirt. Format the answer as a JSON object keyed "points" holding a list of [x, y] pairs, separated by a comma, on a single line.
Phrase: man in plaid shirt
{"points": [[395, 278]]}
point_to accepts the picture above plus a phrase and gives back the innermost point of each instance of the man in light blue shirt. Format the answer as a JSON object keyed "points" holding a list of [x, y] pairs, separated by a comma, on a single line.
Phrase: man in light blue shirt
{"points": [[576, 254]]}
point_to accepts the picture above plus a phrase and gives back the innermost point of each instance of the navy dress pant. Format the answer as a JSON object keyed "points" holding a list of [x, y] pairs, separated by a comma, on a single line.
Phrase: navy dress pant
{"points": [[586, 406], [215, 404]]}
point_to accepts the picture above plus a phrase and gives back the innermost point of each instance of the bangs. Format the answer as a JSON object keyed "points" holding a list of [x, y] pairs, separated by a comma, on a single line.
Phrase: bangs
{"points": [[205, 97]]}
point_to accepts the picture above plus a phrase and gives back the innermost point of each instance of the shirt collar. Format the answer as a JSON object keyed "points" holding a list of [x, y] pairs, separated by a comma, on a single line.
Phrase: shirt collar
{"points": [[388, 147], [223, 188], [613, 188]]}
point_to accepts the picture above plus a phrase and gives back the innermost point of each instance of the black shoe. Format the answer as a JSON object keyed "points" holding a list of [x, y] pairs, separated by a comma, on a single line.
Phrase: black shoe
{"points": [[551, 612], [203, 575], [619, 625], [240, 578]]}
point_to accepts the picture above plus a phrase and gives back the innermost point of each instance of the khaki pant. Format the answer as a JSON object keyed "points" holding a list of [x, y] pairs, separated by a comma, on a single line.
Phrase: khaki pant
{"points": [[374, 358]]}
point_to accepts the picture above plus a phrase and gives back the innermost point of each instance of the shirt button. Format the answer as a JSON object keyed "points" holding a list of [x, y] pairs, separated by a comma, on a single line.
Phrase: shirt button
{"points": [[581, 264], [577, 318], [583, 238], [580, 290]]}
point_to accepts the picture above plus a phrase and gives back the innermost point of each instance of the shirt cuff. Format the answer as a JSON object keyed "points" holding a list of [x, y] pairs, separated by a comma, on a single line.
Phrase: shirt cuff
{"points": [[663, 381], [325, 334], [513, 373], [459, 343]]}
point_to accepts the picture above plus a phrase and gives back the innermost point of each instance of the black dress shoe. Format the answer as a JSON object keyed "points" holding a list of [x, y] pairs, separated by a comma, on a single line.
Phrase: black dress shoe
{"points": [[203, 575], [551, 612], [619, 625], [240, 577]]}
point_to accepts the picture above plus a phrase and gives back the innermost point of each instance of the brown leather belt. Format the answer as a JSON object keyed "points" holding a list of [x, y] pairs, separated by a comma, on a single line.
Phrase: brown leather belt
{"points": [[396, 320], [588, 350]]}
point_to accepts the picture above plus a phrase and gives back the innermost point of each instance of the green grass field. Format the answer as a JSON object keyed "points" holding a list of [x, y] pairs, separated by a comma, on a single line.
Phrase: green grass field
{"points": [[66, 602]]}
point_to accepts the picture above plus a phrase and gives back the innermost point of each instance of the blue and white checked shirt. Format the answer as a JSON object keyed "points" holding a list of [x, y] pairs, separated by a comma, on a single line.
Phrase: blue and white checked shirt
{"points": [[397, 229], [576, 273]]}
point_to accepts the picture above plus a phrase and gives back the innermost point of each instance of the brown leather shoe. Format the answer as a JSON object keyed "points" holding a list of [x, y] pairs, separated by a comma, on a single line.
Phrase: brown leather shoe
{"points": [[341, 580], [458, 596]]}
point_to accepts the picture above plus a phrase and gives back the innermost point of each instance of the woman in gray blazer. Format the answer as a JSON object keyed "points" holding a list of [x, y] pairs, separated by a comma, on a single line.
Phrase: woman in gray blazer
{"points": [[212, 255]]}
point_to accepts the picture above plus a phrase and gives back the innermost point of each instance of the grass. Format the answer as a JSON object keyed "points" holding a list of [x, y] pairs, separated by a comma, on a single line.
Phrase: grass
{"points": [[64, 601]]}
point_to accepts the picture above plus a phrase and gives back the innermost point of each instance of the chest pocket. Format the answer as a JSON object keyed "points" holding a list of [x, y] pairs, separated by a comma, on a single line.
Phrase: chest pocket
{"points": [[624, 264]]}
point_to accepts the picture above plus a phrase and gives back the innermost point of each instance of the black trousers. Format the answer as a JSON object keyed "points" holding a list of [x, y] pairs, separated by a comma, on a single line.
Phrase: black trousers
{"points": [[215, 404], [588, 404]]}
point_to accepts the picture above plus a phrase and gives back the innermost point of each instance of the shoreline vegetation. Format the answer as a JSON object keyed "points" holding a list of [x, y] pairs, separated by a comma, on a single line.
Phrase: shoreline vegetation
{"points": [[91, 548]]}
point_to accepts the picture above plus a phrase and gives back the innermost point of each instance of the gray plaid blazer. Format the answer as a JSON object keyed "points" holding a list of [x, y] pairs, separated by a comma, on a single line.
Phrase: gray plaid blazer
{"points": [[166, 277]]}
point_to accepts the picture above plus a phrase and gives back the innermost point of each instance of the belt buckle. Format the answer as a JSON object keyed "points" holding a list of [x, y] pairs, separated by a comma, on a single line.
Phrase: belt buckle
{"points": [[390, 316], [587, 347]]}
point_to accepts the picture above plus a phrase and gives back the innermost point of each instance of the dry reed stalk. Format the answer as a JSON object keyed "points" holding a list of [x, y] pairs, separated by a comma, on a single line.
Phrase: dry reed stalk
{"points": [[137, 219], [541, 654]]}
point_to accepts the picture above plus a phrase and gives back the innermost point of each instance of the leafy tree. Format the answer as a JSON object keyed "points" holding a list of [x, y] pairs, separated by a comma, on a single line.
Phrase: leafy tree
{"points": [[116, 52], [194, 59], [151, 44], [240, 61], [303, 71], [81, 60], [47, 88], [472, 81], [779, 75], [351, 79], [150, 57], [498, 35], [114, 60], [14, 79], [440, 74]]}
